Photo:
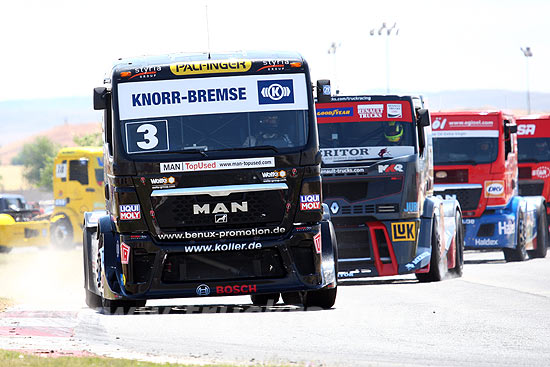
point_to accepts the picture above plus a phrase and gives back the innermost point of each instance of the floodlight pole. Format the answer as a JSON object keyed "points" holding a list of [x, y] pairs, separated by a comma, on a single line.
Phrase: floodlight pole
{"points": [[387, 33], [332, 51], [527, 53]]}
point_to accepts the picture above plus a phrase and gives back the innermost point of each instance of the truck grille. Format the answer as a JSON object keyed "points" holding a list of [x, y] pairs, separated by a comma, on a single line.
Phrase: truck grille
{"points": [[369, 209], [227, 265], [362, 190], [532, 188], [263, 207], [353, 243], [468, 198]]}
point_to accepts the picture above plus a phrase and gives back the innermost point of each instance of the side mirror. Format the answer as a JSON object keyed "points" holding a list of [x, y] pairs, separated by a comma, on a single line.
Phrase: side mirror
{"points": [[423, 116], [323, 91], [100, 98], [513, 128]]}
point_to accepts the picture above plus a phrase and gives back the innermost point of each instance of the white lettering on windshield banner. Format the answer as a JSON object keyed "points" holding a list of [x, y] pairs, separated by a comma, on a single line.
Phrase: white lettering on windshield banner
{"points": [[348, 154], [204, 96], [216, 165], [465, 133]]}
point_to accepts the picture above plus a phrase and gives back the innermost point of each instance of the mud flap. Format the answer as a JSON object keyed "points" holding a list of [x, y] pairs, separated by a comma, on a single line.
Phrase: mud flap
{"points": [[329, 254]]}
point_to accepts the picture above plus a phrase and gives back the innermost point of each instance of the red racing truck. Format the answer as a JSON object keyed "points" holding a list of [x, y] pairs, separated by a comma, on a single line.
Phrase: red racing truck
{"points": [[476, 162], [534, 156]]}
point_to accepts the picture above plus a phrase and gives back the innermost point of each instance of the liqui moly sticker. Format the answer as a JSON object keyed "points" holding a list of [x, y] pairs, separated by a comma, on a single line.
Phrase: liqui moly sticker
{"points": [[318, 243], [370, 111], [494, 189], [216, 165], [130, 212], [124, 253], [310, 202]]}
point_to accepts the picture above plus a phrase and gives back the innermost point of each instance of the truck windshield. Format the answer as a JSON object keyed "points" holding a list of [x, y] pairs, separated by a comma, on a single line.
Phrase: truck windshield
{"points": [[465, 151], [534, 149]]}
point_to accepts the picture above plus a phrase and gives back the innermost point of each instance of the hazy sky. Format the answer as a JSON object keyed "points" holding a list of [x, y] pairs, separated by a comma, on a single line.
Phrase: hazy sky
{"points": [[63, 48]]}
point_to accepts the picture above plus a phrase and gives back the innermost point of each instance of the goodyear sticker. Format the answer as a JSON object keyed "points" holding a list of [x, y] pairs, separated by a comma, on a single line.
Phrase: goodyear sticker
{"points": [[333, 112], [210, 67], [403, 231]]}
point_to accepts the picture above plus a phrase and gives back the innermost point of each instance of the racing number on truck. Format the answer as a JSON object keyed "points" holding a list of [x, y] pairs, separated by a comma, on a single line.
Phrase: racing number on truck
{"points": [[403, 231], [147, 136]]}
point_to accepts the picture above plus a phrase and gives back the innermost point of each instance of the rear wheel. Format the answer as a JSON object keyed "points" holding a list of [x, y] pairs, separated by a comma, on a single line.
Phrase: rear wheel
{"points": [[61, 233], [459, 248], [542, 235], [121, 306], [264, 299], [322, 298], [4, 249], [438, 265], [93, 300], [519, 253]]}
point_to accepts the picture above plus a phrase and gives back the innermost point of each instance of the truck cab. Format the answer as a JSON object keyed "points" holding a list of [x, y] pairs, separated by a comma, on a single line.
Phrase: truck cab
{"points": [[77, 188], [378, 183], [476, 162], [534, 156], [213, 183]]}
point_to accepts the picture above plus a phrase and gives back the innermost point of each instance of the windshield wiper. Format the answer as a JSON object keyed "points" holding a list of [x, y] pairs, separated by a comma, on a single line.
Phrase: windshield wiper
{"points": [[257, 147], [200, 150]]}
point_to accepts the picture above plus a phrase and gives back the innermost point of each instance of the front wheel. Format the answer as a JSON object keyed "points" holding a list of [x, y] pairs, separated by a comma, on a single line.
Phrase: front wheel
{"points": [[542, 235], [459, 248], [519, 253], [438, 264], [61, 233], [4, 249]]}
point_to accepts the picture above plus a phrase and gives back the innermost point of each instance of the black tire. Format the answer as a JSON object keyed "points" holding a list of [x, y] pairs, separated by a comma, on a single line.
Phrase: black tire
{"points": [[459, 248], [323, 298], [438, 265], [93, 300], [519, 253], [61, 234], [265, 299], [542, 235], [4, 249], [293, 298]]}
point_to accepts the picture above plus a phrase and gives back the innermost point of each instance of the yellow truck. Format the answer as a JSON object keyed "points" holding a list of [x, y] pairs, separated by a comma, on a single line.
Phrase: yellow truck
{"points": [[77, 188]]}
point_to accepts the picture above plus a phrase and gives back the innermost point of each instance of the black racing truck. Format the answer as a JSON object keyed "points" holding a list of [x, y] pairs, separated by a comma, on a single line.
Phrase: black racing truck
{"points": [[378, 183], [212, 183]]}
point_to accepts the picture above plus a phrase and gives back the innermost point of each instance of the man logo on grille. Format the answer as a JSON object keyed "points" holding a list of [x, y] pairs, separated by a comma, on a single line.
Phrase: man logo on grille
{"points": [[203, 290], [220, 218]]}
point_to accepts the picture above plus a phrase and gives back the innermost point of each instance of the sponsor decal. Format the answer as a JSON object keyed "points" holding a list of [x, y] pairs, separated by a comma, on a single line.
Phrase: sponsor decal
{"points": [[205, 96], [333, 155], [541, 172], [318, 243], [274, 65], [410, 266], [163, 182], [526, 129], [61, 170], [342, 171], [210, 67], [273, 176], [234, 207], [275, 91], [485, 242], [60, 202], [390, 168], [348, 274], [403, 231], [218, 247], [411, 207], [130, 212], [447, 128], [395, 111], [332, 112], [446, 197], [370, 111], [468, 221], [465, 134], [203, 290], [506, 227], [215, 165], [236, 289], [334, 207], [145, 72], [310, 202], [494, 189], [382, 152], [220, 218], [124, 253], [220, 234], [327, 90]]}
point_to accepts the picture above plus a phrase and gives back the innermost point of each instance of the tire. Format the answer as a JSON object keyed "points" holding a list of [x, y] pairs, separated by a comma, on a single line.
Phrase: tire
{"points": [[542, 235], [265, 299], [293, 298], [459, 248], [61, 234], [438, 265], [4, 249], [519, 253], [323, 298], [93, 300]]}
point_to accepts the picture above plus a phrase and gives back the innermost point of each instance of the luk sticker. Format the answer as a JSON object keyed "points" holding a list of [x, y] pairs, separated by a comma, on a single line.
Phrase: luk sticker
{"points": [[310, 202], [130, 212], [403, 231], [494, 189], [370, 111]]}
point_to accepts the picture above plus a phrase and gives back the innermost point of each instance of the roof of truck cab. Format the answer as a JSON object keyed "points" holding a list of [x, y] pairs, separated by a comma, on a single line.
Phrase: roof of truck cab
{"points": [[74, 151], [149, 60], [533, 117]]}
